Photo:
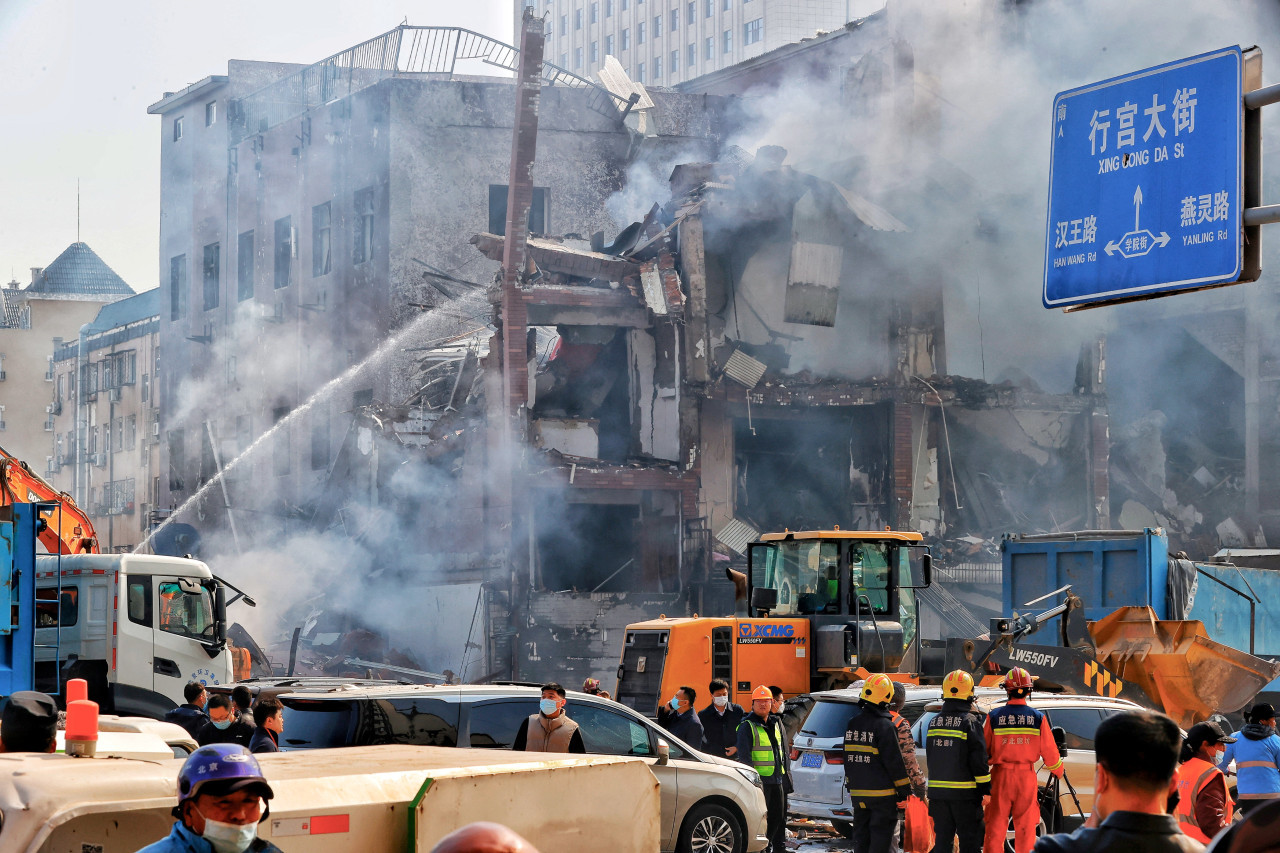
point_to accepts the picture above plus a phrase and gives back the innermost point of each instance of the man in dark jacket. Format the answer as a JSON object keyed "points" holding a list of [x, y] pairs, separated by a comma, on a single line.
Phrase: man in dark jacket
{"points": [[680, 719], [875, 773], [223, 727], [720, 721], [760, 745], [958, 773], [268, 716], [1137, 754], [242, 699], [190, 715]]}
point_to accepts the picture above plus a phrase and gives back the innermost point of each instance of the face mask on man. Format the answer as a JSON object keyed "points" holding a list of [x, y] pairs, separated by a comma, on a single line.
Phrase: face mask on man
{"points": [[221, 725], [228, 837], [721, 701], [547, 707], [675, 703]]}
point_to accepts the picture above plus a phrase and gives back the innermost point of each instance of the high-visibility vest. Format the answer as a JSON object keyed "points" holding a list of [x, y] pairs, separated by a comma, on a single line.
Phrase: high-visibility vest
{"points": [[1192, 777], [762, 757]]}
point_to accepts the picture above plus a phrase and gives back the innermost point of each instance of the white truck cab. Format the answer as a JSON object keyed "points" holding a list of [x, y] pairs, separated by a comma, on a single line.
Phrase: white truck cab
{"points": [[137, 627]]}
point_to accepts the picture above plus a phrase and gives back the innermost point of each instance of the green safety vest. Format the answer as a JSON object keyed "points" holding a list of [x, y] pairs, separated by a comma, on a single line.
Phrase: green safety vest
{"points": [[762, 751]]}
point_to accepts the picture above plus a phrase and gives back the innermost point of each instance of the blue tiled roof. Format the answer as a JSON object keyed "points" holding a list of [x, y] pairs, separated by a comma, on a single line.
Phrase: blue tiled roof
{"points": [[113, 315], [79, 270]]}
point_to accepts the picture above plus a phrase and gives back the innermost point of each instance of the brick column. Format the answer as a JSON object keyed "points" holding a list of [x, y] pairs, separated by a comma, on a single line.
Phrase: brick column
{"points": [[903, 482]]}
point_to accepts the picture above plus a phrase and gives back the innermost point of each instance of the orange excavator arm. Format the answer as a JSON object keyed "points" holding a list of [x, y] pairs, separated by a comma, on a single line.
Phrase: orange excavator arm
{"points": [[68, 529]]}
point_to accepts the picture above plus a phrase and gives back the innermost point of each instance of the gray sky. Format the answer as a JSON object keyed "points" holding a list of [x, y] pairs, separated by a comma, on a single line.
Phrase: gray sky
{"points": [[78, 76]]}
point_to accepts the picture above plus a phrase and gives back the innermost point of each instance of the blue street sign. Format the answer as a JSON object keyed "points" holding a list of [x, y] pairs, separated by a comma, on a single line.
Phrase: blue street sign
{"points": [[1146, 183]]}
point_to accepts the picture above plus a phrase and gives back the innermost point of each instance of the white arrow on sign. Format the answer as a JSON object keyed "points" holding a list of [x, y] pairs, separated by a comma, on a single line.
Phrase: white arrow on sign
{"points": [[1137, 207]]}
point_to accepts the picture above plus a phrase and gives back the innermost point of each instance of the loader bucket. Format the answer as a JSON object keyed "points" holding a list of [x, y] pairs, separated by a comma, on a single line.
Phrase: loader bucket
{"points": [[1177, 665]]}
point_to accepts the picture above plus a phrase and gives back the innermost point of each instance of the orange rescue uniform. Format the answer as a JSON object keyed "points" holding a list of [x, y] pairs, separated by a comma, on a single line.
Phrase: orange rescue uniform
{"points": [[1017, 737], [1194, 776]]}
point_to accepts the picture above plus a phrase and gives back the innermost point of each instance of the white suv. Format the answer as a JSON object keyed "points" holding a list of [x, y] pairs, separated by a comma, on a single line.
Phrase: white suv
{"points": [[817, 753]]}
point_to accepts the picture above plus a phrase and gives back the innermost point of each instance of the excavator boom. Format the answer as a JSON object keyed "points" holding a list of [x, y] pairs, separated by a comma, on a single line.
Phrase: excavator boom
{"points": [[66, 529]]}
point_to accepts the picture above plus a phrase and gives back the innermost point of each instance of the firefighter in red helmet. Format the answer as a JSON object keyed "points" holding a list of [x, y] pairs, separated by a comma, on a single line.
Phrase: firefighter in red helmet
{"points": [[1017, 737]]}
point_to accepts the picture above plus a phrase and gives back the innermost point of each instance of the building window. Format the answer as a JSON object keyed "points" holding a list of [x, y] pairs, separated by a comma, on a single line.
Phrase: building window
{"points": [[564, 60], [212, 274], [362, 397], [177, 459], [640, 32], [177, 128], [728, 40], [728, 5], [538, 211], [693, 13], [626, 39], [626, 4], [640, 73], [711, 8], [177, 287], [244, 266], [711, 48], [692, 57], [595, 52], [657, 68], [657, 25], [284, 251], [608, 8], [211, 114], [146, 387], [550, 31], [595, 13], [564, 25], [320, 439], [753, 31], [131, 432], [363, 250], [577, 57], [281, 450], [577, 19], [675, 19], [321, 245], [608, 45], [119, 436], [675, 61]]}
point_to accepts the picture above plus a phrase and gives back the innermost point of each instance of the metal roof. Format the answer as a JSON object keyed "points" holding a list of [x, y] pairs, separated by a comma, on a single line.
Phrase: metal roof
{"points": [[902, 535], [134, 309], [79, 271]]}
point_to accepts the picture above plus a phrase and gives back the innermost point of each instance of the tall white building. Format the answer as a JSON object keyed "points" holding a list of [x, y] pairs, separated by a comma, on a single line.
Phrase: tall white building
{"points": [[665, 42]]}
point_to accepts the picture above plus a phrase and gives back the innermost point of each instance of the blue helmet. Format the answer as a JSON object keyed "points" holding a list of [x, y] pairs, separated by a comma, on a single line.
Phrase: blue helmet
{"points": [[228, 763]]}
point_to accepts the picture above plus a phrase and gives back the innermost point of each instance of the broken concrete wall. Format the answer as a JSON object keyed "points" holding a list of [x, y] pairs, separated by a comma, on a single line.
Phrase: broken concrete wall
{"points": [[655, 403], [568, 638]]}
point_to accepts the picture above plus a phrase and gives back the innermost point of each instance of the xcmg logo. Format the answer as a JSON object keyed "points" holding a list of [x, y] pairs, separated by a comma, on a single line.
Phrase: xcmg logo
{"points": [[766, 632]]}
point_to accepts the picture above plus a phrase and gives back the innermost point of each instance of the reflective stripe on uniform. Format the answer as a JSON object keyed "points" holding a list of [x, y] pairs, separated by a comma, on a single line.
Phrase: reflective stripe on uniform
{"points": [[902, 783], [881, 792], [986, 778], [857, 747], [948, 733], [937, 783], [1012, 731], [1055, 765], [761, 750]]}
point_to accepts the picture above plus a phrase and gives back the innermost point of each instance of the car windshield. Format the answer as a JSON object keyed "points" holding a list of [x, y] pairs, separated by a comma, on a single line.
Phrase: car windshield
{"points": [[829, 719], [312, 724], [922, 725]]}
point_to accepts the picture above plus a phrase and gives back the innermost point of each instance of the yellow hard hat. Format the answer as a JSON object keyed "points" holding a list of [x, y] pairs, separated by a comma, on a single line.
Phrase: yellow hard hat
{"points": [[957, 685], [878, 690], [762, 692]]}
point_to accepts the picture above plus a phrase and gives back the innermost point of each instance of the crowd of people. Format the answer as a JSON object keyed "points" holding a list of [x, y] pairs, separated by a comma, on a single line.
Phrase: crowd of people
{"points": [[1155, 791]]}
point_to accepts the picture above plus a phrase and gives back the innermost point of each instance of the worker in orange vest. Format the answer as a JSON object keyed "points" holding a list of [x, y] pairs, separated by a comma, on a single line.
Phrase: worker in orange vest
{"points": [[1204, 806], [1017, 736]]}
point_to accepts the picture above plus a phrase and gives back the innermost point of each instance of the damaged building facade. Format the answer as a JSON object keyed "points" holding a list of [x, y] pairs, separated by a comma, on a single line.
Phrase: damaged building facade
{"points": [[308, 215]]}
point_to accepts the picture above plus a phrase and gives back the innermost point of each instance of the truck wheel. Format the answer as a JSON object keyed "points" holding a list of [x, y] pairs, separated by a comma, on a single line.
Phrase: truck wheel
{"points": [[711, 829], [843, 828]]}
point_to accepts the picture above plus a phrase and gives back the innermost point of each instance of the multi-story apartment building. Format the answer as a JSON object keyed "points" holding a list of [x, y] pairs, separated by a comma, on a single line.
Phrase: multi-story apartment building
{"points": [[308, 212], [665, 42], [60, 299], [104, 420]]}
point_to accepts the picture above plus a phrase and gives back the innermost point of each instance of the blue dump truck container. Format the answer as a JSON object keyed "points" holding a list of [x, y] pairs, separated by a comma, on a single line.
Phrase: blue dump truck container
{"points": [[1106, 568]]}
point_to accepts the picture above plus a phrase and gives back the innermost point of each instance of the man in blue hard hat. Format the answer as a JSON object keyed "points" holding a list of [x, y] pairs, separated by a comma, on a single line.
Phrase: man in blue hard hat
{"points": [[222, 798]]}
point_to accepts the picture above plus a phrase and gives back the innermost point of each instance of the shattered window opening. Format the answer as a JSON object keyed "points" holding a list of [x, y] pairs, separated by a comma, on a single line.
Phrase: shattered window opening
{"points": [[538, 210], [284, 251], [244, 266], [363, 248], [212, 275], [321, 246]]}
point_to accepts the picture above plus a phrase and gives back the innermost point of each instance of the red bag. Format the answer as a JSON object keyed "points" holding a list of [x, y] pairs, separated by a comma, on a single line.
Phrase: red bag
{"points": [[917, 827]]}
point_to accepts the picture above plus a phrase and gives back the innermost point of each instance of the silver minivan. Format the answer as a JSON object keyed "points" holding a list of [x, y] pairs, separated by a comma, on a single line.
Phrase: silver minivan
{"points": [[817, 752]]}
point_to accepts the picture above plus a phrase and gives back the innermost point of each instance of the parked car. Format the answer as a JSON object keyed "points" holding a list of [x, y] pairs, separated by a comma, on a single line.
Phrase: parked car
{"points": [[817, 753], [708, 803]]}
